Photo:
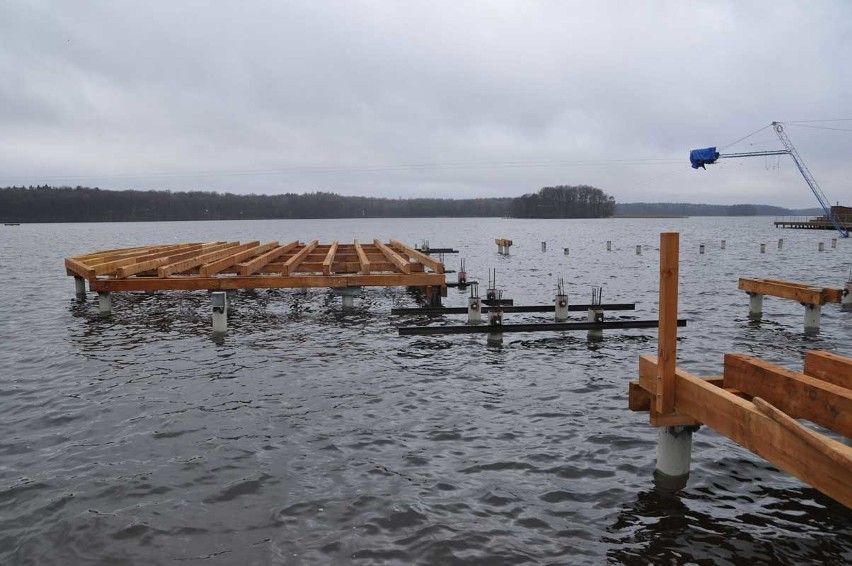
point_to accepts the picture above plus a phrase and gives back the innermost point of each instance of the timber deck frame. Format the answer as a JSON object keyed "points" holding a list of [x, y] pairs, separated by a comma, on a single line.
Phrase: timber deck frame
{"points": [[224, 265], [754, 403]]}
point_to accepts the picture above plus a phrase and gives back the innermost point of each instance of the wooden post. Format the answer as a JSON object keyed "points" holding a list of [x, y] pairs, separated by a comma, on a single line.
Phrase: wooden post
{"points": [[667, 345]]}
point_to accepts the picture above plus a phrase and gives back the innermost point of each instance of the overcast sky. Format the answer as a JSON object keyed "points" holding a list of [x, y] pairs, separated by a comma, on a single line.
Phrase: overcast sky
{"points": [[412, 99]]}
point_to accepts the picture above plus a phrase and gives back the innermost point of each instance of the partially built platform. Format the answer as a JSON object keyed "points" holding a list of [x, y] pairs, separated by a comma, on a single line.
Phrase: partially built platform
{"points": [[224, 265]]}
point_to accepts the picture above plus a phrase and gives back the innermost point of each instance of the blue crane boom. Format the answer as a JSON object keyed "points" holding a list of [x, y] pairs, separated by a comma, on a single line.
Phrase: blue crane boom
{"points": [[709, 155]]}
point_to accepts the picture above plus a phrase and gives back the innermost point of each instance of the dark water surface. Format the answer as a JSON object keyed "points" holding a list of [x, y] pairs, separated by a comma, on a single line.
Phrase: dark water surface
{"points": [[313, 436]]}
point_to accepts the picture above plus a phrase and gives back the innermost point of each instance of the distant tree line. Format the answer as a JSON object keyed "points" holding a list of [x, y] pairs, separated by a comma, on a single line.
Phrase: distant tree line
{"points": [[564, 201], [688, 209], [81, 204]]}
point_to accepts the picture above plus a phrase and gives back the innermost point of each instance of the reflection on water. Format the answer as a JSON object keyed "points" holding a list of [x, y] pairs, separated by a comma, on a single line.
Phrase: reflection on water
{"points": [[311, 435]]}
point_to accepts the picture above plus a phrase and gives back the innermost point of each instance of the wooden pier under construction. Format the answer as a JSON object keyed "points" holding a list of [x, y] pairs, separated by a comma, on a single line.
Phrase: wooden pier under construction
{"points": [[755, 403], [252, 265]]}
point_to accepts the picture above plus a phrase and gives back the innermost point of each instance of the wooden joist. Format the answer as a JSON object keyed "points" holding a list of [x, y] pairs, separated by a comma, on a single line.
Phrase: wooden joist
{"points": [[329, 259], [362, 258], [148, 265], [218, 266], [300, 256], [180, 266], [255, 265], [401, 263], [799, 395], [426, 260], [830, 294], [829, 367]]}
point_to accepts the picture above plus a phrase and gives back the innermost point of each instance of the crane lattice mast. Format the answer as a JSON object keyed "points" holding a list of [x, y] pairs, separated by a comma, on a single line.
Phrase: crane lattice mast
{"points": [[708, 156]]}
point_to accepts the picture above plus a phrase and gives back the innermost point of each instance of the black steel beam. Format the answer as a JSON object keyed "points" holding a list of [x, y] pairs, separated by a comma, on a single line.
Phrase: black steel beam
{"points": [[508, 309], [541, 327]]}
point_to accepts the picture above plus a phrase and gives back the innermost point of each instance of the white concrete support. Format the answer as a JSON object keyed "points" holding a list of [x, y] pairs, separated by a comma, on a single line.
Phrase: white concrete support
{"points": [[763, 248], [104, 302], [780, 243], [495, 316], [822, 246], [219, 302], [674, 451], [348, 294], [595, 316], [609, 245], [846, 301], [561, 303], [638, 249], [833, 243], [812, 316], [755, 305], [701, 249], [544, 246], [474, 310], [79, 287], [723, 244]]}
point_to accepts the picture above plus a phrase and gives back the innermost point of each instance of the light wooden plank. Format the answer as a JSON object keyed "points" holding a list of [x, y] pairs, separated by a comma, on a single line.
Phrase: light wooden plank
{"points": [[152, 264], [743, 423], [426, 260], [830, 294], [113, 265], [813, 438], [667, 335], [362, 258], [400, 262], [181, 266], [267, 282], [214, 267], [807, 295], [799, 395], [329, 259], [300, 256], [257, 263], [829, 367], [78, 268]]}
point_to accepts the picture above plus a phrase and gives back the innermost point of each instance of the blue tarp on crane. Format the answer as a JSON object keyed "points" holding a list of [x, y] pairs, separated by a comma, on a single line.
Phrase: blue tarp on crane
{"points": [[702, 157]]}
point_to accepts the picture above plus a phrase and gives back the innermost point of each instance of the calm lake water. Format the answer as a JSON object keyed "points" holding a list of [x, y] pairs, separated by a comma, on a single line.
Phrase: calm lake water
{"points": [[313, 436]]}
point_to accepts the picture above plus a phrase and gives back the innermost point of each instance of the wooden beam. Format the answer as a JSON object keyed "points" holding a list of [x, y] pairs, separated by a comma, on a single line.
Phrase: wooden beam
{"points": [[426, 260], [743, 423], [192, 283], [797, 394], [214, 267], [254, 265], [402, 263], [76, 267], [830, 294], [329, 259], [201, 259], [294, 261], [811, 437], [362, 258], [829, 367], [113, 264], [667, 336], [133, 269], [807, 295]]}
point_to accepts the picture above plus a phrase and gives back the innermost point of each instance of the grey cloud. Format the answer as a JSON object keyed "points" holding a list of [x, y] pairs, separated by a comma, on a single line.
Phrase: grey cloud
{"points": [[105, 93]]}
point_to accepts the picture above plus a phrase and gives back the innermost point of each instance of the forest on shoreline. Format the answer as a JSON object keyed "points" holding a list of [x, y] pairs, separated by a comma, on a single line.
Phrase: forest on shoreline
{"points": [[83, 204]]}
